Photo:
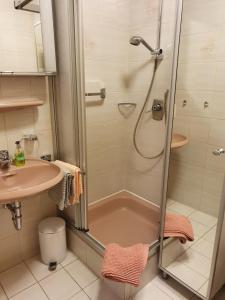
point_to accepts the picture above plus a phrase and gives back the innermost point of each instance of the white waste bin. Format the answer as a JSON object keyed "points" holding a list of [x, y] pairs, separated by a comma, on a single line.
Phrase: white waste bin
{"points": [[52, 238]]}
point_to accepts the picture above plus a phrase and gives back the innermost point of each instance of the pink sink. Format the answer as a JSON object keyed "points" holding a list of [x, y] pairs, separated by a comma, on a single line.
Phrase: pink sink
{"points": [[21, 182]]}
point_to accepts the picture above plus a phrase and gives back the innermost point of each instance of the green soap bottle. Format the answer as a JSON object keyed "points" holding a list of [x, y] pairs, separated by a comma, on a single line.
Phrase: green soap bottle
{"points": [[19, 158]]}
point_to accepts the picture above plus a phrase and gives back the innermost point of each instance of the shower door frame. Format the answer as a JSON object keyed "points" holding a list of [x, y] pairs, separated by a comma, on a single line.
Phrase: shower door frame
{"points": [[82, 214], [79, 71], [221, 215], [81, 211]]}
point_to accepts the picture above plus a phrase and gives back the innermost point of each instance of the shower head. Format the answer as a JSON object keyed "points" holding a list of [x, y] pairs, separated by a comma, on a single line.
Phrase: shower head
{"points": [[137, 40]]}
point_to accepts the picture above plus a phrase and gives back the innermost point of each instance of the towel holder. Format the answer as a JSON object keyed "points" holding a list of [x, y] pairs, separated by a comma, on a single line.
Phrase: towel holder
{"points": [[102, 93], [82, 172]]}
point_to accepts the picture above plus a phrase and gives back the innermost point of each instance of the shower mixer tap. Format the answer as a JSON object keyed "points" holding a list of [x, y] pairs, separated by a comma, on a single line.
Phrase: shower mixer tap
{"points": [[158, 109]]}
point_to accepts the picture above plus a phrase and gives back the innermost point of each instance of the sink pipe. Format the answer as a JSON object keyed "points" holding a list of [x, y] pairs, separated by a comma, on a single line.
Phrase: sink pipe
{"points": [[15, 209]]}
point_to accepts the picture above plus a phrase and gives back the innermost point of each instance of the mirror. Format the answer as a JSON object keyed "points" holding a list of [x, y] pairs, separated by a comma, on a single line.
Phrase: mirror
{"points": [[27, 36], [196, 166]]}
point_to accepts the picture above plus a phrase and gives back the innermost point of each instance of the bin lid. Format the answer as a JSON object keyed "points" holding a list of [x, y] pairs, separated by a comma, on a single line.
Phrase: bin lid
{"points": [[51, 225]]}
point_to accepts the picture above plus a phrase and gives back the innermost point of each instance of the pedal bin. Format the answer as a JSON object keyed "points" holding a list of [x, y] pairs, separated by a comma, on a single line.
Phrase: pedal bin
{"points": [[52, 238]]}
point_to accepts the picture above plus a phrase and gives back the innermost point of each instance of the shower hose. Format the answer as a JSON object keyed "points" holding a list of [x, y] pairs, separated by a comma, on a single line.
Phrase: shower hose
{"points": [[141, 113]]}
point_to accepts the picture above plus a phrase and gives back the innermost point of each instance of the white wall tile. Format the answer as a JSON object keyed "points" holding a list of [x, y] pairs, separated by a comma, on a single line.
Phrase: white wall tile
{"points": [[13, 124], [9, 254], [195, 76], [126, 71], [201, 78], [17, 35], [202, 16]]}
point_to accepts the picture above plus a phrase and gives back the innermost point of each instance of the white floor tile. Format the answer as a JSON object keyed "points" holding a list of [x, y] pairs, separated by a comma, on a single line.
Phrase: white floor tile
{"points": [[210, 236], [16, 279], [32, 293], [204, 248], [170, 202], [81, 273], [150, 291], [70, 257], [181, 209], [99, 291], [172, 288], [203, 218], [38, 268], [204, 289], [187, 275], [199, 229], [59, 286], [2, 295], [80, 296], [196, 262]]}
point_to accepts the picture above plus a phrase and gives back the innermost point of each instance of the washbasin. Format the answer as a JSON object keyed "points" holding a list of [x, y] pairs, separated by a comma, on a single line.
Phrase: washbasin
{"points": [[178, 140], [34, 177]]}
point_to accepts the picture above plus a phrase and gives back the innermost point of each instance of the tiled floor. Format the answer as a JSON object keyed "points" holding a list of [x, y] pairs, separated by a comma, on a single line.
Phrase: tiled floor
{"points": [[193, 265], [72, 280]]}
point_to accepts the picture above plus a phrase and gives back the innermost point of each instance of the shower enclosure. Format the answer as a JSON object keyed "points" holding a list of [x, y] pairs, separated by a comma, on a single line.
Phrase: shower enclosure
{"points": [[112, 120], [122, 131], [140, 129], [194, 167]]}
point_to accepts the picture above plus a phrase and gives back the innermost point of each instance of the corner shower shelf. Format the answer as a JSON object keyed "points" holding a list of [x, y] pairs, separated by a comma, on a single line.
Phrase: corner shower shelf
{"points": [[7, 104], [178, 140]]}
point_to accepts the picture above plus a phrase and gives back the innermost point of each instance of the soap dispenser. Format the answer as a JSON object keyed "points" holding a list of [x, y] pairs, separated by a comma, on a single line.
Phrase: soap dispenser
{"points": [[19, 158]]}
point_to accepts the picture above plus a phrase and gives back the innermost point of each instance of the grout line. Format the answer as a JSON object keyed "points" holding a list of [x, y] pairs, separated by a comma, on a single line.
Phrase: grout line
{"points": [[162, 290], [87, 295], [189, 267], [50, 274], [72, 278], [43, 290], [4, 291], [82, 288], [23, 290], [81, 291], [202, 286]]}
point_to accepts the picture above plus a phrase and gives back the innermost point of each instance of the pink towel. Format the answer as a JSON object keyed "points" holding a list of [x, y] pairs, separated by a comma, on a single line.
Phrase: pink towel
{"points": [[178, 226], [125, 264]]}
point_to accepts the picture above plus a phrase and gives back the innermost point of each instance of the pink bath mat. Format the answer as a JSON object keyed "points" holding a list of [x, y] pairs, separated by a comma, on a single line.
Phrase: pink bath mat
{"points": [[125, 264]]}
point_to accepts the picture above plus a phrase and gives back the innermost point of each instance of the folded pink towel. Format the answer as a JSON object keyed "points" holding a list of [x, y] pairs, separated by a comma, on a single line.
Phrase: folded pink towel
{"points": [[178, 226], [125, 264]]}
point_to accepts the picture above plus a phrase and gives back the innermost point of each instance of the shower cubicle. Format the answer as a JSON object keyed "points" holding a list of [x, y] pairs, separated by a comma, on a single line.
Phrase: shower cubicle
{"points": [[121, 79], [134, 99]]}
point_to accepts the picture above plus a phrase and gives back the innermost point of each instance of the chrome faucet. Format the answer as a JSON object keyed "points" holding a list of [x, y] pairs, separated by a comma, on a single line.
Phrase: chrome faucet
{"points": [[5, 161]]}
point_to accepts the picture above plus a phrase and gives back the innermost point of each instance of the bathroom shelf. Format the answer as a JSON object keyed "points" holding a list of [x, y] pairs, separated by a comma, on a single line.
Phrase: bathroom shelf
{"points": [[127, 104], [7, 104], [178, 140]]}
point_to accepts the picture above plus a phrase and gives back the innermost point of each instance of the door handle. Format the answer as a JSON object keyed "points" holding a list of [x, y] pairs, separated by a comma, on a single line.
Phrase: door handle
{"points": [[218, 152]]}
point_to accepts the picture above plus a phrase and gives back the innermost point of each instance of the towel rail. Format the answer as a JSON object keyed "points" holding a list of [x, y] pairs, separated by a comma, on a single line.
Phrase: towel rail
{"points": [[82, 172], [102, 94]]}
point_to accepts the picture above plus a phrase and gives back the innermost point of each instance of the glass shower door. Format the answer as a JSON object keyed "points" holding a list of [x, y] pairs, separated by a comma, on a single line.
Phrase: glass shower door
{"points": [[196, 159], [123, 184]]}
